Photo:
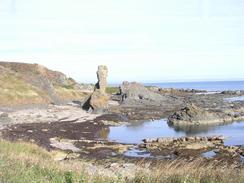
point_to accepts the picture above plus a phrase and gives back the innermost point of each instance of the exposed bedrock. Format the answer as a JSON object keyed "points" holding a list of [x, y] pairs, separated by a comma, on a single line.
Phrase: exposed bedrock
{"points": [[192, 146], [193, 115], [184, 142], [137, 91], [175, 91]]}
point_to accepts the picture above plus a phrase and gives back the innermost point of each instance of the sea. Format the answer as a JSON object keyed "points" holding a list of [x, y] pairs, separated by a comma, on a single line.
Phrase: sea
{"points": [[134, 133], [204, 85]]}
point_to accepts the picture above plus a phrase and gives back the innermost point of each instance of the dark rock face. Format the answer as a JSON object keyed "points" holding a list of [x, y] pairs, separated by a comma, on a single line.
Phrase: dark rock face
{"points": [[189, 114], [193, 115]]}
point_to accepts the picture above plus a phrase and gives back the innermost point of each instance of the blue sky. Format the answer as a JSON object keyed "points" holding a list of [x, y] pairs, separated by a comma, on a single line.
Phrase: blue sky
{"points": [[139, 40]]}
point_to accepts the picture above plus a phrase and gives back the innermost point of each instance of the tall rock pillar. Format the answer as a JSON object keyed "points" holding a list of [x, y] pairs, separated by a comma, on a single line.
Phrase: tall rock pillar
{"points": [[99, 99], [102, 74]]}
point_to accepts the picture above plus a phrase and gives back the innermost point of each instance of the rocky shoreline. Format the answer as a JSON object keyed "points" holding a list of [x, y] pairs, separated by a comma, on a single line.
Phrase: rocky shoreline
{"points": [[80, 128]]}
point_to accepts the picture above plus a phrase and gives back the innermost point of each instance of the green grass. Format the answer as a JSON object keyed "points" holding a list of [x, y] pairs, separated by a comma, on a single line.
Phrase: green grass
{"points": [[112, 90], [22, 162]]}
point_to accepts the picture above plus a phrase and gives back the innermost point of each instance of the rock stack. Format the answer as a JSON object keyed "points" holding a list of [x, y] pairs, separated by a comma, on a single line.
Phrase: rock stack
{"points": [[98, 101], [102, 74]]}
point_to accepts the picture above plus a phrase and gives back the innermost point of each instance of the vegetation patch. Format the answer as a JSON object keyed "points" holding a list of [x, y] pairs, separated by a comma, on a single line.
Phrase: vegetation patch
{"points": [[112, 90], [22, 162], [14, 90]]}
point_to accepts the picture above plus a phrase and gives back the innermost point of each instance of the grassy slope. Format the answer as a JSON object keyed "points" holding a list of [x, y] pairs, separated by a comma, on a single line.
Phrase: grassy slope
{"points": [[22, 162], [22, 84], [13, 90], [69, 93]]}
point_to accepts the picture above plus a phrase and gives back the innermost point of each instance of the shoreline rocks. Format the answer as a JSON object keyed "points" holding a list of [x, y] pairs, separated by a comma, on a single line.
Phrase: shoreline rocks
{"points": [[188, 143], [193, 115], [136, 91], [170, 140]]}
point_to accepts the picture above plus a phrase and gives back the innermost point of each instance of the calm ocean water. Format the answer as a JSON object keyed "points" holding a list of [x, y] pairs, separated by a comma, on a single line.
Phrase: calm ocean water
{"points": [[209, 86]]}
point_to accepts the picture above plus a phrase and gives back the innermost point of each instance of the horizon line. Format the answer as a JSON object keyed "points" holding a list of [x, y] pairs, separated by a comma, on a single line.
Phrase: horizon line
{"points": [[193, 81]]}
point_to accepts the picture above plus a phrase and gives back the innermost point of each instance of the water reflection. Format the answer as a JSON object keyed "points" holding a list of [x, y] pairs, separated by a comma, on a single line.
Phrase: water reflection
{"points": [[191, 130], [209, 154], [137, 131]]}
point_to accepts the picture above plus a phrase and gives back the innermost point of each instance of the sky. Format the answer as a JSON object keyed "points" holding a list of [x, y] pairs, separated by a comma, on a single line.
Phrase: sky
{"points": [[139, 40]]}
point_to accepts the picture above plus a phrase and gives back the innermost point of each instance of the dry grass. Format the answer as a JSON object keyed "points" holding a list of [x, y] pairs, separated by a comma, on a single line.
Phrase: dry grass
{"points": [[14, 90], [69, 93], [22, 162], [197, 171]]}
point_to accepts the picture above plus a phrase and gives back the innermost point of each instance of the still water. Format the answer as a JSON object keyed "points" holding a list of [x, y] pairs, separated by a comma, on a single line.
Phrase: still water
{"points": [[136, 132]]}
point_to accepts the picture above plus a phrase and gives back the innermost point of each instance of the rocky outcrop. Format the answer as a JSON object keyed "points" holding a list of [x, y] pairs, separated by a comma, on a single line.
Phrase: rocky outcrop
{"points": [[98, 101], [193, 115], [175, 91], [136, 91], [179, 92], [230, 92]]}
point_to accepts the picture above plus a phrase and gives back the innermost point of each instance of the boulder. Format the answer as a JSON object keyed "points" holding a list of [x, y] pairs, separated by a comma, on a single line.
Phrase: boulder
{"points": [[99, 100]]}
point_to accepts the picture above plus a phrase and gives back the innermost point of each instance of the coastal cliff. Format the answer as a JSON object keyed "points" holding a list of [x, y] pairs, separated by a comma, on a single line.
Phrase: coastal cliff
{"points": [[28, 84]]}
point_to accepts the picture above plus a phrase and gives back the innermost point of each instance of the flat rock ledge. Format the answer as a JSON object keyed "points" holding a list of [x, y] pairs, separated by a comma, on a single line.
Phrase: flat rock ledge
{"points": [[183, 142], [169, 140], [194, 147]]}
